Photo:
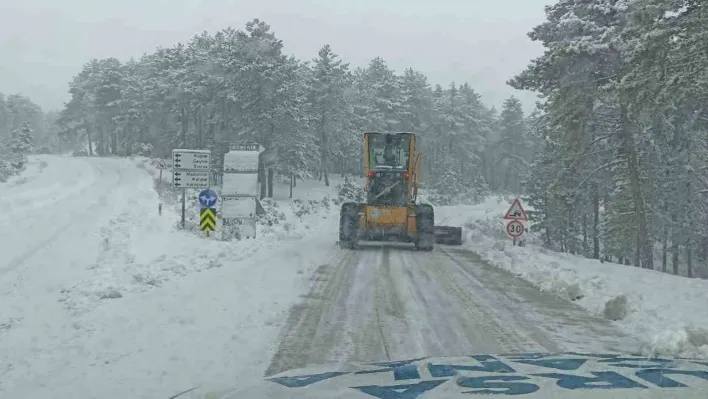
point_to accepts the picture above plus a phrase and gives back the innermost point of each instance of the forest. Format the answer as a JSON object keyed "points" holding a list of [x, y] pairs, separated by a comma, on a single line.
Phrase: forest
{"points": [[612, 159], [238, 85]]}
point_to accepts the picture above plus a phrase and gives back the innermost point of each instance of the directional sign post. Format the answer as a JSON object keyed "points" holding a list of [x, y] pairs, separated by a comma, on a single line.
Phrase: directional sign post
{"points": [[207, 220], [191, 159], [239, 190], [190, 169], [190, 179], [516, 215]]}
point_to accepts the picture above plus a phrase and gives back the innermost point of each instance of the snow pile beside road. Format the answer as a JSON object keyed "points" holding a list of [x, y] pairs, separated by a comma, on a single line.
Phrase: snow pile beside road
{"points": [[35, 165], [668, 312], [142, 250], [102, 297]]}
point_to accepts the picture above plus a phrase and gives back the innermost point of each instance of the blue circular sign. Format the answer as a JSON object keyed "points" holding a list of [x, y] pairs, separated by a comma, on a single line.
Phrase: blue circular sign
{"points": [[207, 198]]}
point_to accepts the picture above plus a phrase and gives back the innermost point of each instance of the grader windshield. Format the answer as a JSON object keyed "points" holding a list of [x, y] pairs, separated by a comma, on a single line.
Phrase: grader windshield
{"points": [[389, 150]]}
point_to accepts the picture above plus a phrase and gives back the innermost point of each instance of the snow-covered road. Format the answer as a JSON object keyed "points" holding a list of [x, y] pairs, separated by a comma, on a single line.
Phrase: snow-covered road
{"points": [[102, 297], [55, 231], [392, 303]]}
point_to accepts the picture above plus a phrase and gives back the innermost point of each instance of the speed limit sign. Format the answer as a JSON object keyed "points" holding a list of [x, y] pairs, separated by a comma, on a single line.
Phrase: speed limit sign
{"points": [[514, 228]]}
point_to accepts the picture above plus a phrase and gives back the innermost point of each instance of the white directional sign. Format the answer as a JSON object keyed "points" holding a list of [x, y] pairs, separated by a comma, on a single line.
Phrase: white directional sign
{"points": [[245, 147], [190, 179], [239, 206], [191, 159], [239, 189]]}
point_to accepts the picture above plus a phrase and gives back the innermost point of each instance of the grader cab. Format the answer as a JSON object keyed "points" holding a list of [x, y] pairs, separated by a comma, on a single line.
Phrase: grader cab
{"points": [[392, 211]]}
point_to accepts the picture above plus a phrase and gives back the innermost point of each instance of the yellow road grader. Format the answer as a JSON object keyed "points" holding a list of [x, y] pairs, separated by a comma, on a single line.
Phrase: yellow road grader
{"points": [[392, 212]]}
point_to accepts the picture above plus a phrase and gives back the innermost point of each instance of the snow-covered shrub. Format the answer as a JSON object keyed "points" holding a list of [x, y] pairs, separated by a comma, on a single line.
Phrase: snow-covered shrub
{"points": [[145, 149], [301, 208], [5, 171], [44, 149], [326, 201], [18, 162], [272, 214], [434, 197], [349, 191]]}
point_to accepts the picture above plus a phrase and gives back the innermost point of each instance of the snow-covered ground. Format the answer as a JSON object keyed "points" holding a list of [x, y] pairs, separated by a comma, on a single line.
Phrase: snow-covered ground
{"points": [[103, 298], [33, 168], [668, 312]]}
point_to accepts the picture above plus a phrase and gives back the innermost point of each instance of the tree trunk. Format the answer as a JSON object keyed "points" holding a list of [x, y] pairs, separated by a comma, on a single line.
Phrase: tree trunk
{"points": [[689, 259], [596, 222], [325, 149], [585, 234], [664, 249], [703, 249], [183, 133], [269, 181], [645, 256], [90, 144], [263, 180]]}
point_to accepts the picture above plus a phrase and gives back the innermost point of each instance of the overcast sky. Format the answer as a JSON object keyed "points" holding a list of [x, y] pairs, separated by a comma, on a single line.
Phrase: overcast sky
{"points": [[43, 43]]}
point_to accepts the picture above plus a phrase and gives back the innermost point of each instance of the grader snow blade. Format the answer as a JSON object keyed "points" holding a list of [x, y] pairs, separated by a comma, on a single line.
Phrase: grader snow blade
{"points": [[448, 235]]}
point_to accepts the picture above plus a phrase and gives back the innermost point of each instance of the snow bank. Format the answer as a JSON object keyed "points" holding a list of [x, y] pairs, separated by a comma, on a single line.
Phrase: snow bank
{"points": [[126, 305], [668, 312], [35, 165], [143, 250]]}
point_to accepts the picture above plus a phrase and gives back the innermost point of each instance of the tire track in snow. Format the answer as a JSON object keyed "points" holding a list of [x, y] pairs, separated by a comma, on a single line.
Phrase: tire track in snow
{"points": [[21, 259], [392, 303], [387, 303], [308, 329], [483, 326], [22, 202], [544, 316]]}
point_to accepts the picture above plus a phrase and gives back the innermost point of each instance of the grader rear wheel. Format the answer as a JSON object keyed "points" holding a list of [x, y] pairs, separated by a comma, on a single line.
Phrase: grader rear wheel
{"points": [[349, 225], [425, 225]]}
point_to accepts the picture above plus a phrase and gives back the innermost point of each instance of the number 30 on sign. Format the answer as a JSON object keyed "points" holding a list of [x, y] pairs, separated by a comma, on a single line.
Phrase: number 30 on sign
{"points": [[514, 228]]}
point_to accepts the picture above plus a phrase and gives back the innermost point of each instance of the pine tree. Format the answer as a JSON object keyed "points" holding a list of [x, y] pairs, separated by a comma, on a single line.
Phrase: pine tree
{"points": [[23, 142], [22, 145], [329, 103]]}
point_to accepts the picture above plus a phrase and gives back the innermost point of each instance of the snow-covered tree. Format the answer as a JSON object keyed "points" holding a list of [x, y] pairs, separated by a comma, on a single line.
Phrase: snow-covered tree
{"points": [[624, 122], [22, 145]]}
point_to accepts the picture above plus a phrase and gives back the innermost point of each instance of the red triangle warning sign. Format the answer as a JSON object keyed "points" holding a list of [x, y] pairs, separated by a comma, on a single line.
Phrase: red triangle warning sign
{"points": [[516, 211]]}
